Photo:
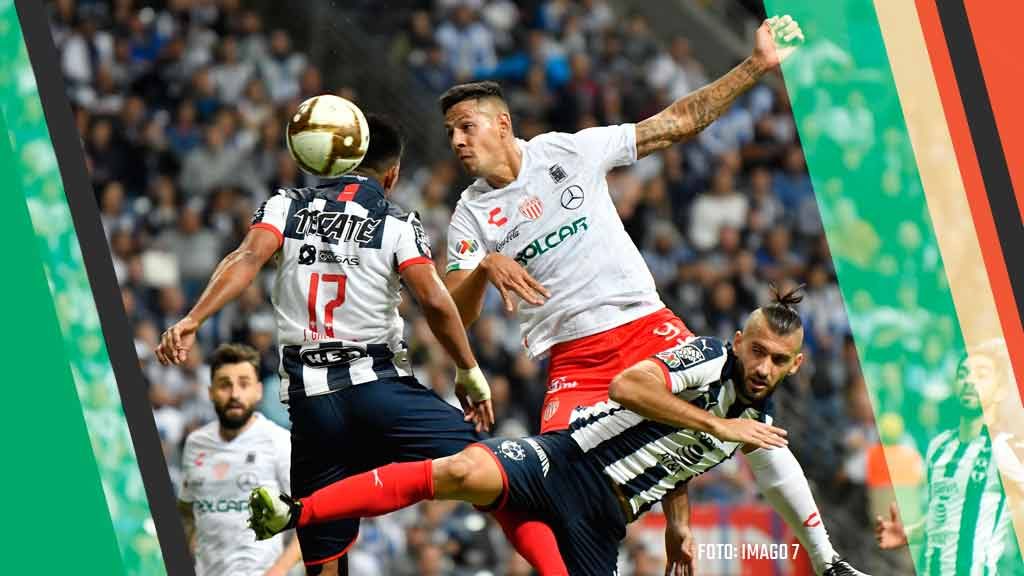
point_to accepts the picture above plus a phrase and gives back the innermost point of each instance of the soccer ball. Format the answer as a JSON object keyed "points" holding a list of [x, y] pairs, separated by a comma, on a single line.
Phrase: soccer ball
{"points": [[328, 136]]}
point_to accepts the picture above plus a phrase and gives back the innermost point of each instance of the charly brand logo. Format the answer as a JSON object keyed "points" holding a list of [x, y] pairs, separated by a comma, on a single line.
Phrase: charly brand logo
{"points": [[572, 197], [496, 218], [551, 240]]}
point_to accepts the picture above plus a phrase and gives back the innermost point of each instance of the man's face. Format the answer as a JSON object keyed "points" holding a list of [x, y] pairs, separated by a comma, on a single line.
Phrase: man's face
{"points": [[976, 382], [235, 391], [766, 358], [475, 129]]}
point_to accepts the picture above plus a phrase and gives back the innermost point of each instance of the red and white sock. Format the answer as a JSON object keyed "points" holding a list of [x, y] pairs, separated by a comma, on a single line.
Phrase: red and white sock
{"points": [[783, 484]]}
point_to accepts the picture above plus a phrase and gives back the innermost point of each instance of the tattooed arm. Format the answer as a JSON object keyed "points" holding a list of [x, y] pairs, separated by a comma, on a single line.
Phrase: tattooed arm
{"points": [[686, 117]]}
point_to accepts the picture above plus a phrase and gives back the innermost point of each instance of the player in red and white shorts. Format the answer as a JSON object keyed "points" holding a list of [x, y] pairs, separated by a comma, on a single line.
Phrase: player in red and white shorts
{"points": [[579, 370], [539, 223]]}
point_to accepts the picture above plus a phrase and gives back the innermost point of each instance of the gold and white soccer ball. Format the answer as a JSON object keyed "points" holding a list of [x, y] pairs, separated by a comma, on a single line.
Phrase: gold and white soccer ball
{"points": [[328, 136]]}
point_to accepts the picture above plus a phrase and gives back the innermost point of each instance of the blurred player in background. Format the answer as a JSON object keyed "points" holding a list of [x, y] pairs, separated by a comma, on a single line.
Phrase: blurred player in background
{"points": [[342, 252], [540, 223], [223, 461], [968, 520], [615, 461]]}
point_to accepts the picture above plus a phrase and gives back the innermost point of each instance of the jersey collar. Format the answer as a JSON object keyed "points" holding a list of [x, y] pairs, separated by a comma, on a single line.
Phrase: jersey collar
{"points": [[365, 183]]}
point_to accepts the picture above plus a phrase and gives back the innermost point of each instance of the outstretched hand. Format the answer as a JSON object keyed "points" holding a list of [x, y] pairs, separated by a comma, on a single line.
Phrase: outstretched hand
{"points": [[776, 39], [509, 277], [680, 551], [176, 342], [890, 533], [480, 413], [750, 432]]}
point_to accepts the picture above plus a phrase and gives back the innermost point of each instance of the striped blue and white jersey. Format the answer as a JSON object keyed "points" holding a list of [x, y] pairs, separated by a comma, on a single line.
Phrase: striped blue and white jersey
{"points": [[337, 288], [646, 459], [968, 517]]}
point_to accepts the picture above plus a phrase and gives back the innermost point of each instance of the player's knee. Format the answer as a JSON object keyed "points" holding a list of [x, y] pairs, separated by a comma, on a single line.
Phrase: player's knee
{"points": [[454, 472]]}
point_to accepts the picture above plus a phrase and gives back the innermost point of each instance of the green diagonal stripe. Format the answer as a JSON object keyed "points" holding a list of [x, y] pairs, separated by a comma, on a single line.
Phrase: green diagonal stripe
{"points": [[881, 237], [78, 499]]}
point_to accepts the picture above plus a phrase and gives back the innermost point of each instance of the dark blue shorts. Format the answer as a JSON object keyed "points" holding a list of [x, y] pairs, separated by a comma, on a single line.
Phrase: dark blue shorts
{"points": [[360, 428], [548, 478]]}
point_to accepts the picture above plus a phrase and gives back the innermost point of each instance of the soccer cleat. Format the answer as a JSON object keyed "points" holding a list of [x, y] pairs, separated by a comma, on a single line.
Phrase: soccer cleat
{"points": [[840, 567], [271, 512]]}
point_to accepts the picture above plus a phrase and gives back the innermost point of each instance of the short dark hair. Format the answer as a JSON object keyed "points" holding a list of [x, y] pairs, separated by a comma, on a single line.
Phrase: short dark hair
{"points": [[386, 143], [470, 91], [781, 315], [233, 354]]}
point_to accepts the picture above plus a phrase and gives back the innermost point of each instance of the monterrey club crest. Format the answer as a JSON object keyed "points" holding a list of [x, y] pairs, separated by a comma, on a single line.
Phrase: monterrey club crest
{"points": [[512, 450], [531, 207]]}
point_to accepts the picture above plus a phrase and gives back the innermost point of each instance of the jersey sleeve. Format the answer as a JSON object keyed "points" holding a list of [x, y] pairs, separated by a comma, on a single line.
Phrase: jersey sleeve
{"points": [[272, 216], [413, 246], [465, 246], [607, 146], [696, 364], [186, 492]]}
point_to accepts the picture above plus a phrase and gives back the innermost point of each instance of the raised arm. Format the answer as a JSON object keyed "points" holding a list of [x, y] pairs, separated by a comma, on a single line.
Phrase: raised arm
{"points": [[688, 116], [234, 273]]}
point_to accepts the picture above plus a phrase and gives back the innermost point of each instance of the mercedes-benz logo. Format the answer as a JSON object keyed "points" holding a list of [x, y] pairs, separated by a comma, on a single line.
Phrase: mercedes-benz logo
{"points": [[572, 197]]}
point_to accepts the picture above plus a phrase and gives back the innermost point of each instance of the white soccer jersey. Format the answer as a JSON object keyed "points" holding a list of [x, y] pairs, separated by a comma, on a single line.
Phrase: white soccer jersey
{"points": [[337, 289], [558, 220], [968, 516], [647, 459], [217, 478]]}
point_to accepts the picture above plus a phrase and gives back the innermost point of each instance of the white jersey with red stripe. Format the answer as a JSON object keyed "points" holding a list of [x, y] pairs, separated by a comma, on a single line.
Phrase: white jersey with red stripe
{"points": [[337, 289], [558, 220]]}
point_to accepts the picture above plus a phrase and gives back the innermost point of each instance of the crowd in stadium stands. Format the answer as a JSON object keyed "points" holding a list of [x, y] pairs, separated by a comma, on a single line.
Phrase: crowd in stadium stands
{"points": [[181, 106]]}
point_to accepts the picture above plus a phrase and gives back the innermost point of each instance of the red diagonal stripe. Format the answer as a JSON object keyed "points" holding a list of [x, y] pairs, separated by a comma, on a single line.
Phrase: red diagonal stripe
{"points": [[348, 192], [974, 185]]}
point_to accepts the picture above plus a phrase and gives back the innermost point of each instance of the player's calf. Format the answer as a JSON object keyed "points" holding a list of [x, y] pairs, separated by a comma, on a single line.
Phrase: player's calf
{"points": [[471, 476]]}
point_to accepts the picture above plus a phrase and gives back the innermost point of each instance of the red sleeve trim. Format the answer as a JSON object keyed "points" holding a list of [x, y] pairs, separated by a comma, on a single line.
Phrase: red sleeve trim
{"points": [[415, 261], [270, 228], [502, 500]]}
